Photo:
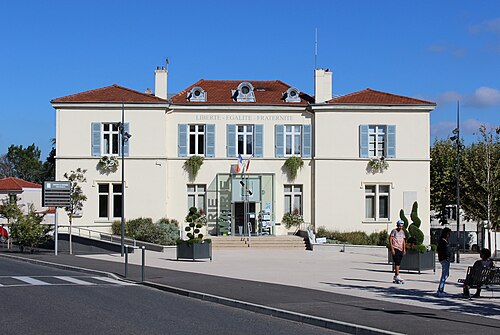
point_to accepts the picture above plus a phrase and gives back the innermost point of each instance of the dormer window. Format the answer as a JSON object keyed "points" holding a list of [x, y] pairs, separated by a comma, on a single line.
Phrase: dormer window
{"points": [[291, 95], [197, 94], [244, 93]]}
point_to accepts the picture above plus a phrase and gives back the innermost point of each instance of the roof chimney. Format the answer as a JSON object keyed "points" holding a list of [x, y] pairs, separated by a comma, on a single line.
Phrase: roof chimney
{"points": [[161, 76], [322, 85]]}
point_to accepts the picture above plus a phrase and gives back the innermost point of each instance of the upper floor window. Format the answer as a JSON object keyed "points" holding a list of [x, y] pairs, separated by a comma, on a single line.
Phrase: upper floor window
{"points": [[293, 143], [105, 139], [244, 135], [196, 139], [246, 140], [197, 94], [244, 93], [377, 141], [110, 139], [293, 140]]}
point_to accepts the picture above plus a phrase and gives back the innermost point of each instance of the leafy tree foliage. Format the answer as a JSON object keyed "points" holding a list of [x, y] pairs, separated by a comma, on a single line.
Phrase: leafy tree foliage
{"points": [[443, 177], [27, 230], [480, 178], [77, 198], [6, 168], [10, 209], [26, 163]]}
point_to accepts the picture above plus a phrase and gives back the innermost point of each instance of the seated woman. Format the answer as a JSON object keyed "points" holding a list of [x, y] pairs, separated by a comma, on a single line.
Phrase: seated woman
{"points": [[484, 263]]}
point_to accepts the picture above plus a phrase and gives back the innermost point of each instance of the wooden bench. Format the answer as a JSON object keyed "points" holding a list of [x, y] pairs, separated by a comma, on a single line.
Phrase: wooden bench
{"points": [[479, 277]]}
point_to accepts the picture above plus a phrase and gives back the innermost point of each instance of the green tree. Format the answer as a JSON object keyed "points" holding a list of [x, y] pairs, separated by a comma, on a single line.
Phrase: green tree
{"points": [[9, 209], [6, 168], [77, 198], [443, 177], [26, 163], [27, 230], [480, 178]]}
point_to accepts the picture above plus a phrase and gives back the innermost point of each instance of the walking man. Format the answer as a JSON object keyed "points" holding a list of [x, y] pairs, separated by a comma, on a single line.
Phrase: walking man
{"points": [[398, 249]]}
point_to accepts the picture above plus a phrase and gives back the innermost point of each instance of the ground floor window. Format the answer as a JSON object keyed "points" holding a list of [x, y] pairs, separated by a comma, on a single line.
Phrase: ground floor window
{"points": [[110, 200], [377, 202], [197, 195], [293, 198]]}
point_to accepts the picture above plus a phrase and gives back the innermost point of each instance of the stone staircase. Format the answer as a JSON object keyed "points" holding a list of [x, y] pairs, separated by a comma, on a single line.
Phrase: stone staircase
{"points": [[289, 241]]}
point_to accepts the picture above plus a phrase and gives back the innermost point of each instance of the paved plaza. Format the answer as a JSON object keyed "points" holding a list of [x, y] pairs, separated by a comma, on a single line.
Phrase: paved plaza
{"points": [[361, 273]]}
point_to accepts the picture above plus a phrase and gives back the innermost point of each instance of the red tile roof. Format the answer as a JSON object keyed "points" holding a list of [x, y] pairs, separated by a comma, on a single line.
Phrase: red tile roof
{"points": [[372, 97], [113, 93], [16, 184], [267, 92]]}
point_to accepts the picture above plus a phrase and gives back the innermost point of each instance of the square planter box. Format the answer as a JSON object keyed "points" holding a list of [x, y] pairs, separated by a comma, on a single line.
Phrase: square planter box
{"points": [[194, 251], [416, 261]]}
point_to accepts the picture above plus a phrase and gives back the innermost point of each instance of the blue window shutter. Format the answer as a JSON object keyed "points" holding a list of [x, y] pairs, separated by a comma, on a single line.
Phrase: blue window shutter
{"points": [[231, 141], [96, 138], [363, 141], [391, 141], [259, 140], [306, 141], [182, 140], [279, 146], [210, 140], [126, 128]]}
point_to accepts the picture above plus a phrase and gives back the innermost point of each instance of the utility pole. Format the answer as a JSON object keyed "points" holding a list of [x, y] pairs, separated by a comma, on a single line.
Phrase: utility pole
{"points": [[456, 138]]}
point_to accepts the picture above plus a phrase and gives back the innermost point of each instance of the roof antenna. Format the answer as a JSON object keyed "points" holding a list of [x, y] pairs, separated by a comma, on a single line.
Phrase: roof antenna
{"points": [[316, 48], [166, 63]]}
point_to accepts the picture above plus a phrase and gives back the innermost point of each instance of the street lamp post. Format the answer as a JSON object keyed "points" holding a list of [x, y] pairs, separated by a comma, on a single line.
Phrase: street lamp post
{"points": [[124, 137], [456, 138]]}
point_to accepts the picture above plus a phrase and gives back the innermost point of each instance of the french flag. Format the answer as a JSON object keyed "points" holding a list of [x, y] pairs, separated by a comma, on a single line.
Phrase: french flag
{"points": [[247, 166], [239, 166]]}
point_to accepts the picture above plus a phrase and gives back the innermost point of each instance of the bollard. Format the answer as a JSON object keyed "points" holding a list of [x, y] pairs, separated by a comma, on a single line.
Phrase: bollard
{"points": [[143, 262], [126, 261]]}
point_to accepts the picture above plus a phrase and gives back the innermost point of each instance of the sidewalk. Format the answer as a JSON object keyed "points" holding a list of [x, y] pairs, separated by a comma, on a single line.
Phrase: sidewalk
{"points": [[348, 287]]}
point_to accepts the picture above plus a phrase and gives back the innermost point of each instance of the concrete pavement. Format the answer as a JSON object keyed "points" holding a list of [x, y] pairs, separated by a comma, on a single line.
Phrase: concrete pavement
{"points": [[351, 287]]}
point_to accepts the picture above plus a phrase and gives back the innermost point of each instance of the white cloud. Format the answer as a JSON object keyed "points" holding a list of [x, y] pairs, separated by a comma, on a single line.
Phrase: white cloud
{"points": [[468, 127], [481, 97], [492, 26], [484, 97], [446, 49], [447, 97]]}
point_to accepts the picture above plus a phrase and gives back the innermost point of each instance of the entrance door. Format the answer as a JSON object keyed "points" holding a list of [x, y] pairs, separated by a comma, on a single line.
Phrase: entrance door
{"points": [[239, 218]]}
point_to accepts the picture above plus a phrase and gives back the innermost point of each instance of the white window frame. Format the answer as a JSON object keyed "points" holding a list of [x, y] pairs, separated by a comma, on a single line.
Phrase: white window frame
{"points": [[377, 147], [289, 197], [289, 134], [197, 133], [198, 190], [111, 134], [110, 200], [377, 195], [246, 132]]}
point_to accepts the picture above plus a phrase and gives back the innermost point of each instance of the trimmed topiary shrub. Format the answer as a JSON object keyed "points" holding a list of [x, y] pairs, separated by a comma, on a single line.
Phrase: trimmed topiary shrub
{"points": [[414, 229]]}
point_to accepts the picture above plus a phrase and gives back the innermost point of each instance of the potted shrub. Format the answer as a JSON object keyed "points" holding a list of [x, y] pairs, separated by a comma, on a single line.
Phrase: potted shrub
{"points": [[195, 247], [293, 219], [293, 164], [193, 165], [418, 256]]}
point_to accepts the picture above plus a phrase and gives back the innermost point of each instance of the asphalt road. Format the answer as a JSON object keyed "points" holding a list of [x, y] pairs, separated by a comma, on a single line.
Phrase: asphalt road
{"points": [[40, 300]]}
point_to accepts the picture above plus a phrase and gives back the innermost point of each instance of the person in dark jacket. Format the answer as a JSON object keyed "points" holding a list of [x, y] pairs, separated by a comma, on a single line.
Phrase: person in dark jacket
{"points": [[444, 258], [484, 263]]}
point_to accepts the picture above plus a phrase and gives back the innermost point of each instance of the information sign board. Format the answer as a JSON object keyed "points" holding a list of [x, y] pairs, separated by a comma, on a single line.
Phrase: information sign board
{"points": [[56, 194]]}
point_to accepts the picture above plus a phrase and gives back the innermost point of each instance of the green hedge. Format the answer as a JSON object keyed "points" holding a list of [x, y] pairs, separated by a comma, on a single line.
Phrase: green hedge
{"points": [[164, 231], [354, 237]]}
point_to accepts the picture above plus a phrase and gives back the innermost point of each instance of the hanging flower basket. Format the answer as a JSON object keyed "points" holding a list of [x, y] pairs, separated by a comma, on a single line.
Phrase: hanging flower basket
{"points": [[193, 165], [108, 164], [293, 165], [378, 164]]}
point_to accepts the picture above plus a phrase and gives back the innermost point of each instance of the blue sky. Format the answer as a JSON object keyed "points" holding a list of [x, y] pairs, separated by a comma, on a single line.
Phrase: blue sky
{"points": [[435, 50]]}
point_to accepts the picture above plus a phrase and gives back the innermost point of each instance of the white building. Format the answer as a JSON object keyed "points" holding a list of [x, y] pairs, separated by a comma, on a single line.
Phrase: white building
{"points": [[265, 122]]}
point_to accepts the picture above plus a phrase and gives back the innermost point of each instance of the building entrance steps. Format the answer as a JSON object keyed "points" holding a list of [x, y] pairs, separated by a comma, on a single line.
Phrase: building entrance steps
{"points": [[289, 241]]}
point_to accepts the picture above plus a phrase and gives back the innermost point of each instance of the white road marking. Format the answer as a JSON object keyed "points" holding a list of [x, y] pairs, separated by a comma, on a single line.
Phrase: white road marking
{"points": [[114, 281], [74, 280], [31, 281]]}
